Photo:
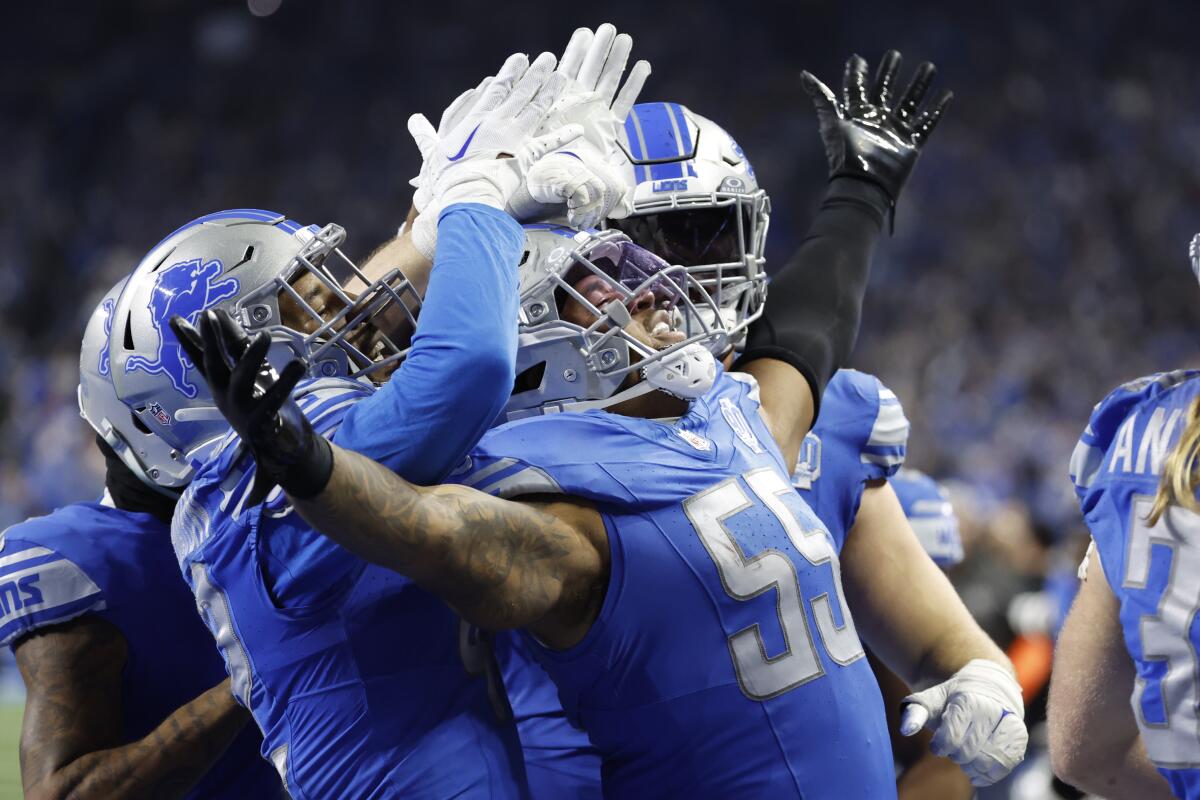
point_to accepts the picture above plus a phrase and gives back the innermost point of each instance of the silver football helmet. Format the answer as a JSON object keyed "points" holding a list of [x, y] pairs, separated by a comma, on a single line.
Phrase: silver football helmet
{"points": [[567, 365], [696, 202], [273, 275], [98, 401]]}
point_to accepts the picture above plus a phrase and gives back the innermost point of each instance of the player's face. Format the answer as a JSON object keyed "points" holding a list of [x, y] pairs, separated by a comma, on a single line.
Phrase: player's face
{"points": [[368, 338], [654, 321]]}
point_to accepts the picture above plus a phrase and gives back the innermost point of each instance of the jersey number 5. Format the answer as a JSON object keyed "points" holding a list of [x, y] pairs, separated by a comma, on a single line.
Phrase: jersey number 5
{"points": [[762, 676]]}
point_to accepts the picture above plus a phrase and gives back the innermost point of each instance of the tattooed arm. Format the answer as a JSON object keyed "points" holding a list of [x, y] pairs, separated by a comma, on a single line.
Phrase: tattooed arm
{"points": [[541, 565], [71, 737]]}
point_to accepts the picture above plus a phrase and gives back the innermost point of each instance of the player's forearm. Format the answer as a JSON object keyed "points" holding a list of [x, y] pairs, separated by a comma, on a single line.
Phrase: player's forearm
{"points": [[492, 560], [166, 763], [934, 778], [812, 319], [1124, 771], [459, 373], [399, 253], [924, 636]]}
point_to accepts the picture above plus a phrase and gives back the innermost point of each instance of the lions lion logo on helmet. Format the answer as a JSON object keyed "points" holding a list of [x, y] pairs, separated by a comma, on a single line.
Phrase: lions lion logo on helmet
{"points": [[186, 289]]}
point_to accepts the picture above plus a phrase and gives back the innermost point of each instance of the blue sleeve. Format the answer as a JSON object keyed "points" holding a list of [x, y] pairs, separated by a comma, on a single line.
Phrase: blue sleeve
{"points": [[886, 443], [460, 371], [40, 587]]}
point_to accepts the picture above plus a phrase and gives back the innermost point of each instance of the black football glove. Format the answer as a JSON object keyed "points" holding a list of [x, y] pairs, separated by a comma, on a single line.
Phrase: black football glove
{"points": [[257, 404], [866, 135]]}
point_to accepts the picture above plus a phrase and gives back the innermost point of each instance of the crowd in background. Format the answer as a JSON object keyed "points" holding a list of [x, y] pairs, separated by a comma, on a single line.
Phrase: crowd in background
{"points": [[1038, 259]]}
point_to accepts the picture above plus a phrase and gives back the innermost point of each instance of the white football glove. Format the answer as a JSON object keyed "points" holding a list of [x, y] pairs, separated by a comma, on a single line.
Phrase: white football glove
{"points": [[589, 180], [977, 718], [466, 163]]}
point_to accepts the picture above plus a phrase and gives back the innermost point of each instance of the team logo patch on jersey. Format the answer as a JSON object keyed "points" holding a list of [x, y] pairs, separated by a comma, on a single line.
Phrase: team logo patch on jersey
{"points": [[808, 465], [186, 289], [695, 440], [733, 415]]}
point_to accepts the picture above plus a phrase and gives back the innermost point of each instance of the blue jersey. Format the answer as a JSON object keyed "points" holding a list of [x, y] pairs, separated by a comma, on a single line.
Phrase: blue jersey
{"points": [[860, 436], [89, 558], [354, 674], [560, 762], [1154, 571], [723, 662]]}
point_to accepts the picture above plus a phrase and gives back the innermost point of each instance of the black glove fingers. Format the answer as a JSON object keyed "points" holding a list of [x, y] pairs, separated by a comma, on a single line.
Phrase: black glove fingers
{"points": [[915, 93], [246, 371], [235, 336], [216, 368], [929, 118], [885, 77], [854, 82], [189, 340], [278, 393]]}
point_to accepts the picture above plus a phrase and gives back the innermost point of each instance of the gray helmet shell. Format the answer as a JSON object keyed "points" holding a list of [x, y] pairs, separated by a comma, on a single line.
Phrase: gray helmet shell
{"points": [[242, 261]]}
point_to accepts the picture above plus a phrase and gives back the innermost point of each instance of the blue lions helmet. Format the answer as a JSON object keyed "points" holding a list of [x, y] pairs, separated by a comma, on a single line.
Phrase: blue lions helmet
{"points": [[927, 505], [273, 275], [697, 202]]}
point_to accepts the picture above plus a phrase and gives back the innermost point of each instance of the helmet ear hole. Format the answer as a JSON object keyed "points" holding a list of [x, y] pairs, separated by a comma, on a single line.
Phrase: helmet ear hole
{"points": [[137, 423], [531, 379], [129, 331]]}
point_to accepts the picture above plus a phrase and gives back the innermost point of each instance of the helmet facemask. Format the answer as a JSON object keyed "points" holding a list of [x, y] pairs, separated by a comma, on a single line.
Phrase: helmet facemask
{"points": [[586, 305], [336, 333]]}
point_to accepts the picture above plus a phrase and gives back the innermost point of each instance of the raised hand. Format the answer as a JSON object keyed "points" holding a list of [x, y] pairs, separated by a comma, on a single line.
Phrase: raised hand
{"points": [[869, 134], [588, 180], [490, 137], [257, 403]]}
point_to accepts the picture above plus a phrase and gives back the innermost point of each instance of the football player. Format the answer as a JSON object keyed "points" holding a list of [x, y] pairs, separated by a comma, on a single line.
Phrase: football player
{"points": [[1123, 694], [696, 202], [360, 680], [623, 560], [125, 696]]}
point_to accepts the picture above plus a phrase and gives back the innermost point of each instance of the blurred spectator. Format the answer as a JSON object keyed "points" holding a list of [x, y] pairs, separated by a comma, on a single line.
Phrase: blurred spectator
{"points": [[1038, 258]]}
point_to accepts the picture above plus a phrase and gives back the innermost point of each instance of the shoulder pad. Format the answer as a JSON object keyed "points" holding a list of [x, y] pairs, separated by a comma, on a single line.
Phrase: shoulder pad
{"points": [[543, 455], [858, 407], [1106, 419]]}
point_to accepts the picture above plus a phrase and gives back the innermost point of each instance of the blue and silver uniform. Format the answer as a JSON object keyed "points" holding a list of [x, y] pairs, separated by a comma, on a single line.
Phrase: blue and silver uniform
{"points": [[861, 435], [723, 662], [371, 695], [89, 558], [1154, 571], [926, 503]]}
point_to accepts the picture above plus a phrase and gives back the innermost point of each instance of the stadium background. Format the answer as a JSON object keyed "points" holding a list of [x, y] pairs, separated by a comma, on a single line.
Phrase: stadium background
{"points": [[1038, 258]]}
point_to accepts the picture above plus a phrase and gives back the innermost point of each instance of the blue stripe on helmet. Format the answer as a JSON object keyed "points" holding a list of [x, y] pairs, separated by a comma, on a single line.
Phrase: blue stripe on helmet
{"points": [[254, 214]]}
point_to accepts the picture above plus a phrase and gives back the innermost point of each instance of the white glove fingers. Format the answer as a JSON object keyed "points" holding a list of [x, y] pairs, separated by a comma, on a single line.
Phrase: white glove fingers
{"points": [[913, 719], [514, 67], [628, 95], [458, 109], [528, 118], [597, 54], [614, 67], [535, 149], [573, 55], [421, 129], [955, 737], [540, 70]]}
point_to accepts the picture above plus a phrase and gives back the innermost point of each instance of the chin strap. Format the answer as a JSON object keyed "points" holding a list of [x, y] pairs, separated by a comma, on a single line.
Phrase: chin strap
{"points": [[687, 373]]}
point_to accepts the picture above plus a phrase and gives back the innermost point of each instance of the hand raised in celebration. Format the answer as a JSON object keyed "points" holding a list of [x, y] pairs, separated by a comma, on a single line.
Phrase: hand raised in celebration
{"points": [[257, 403], [869, 134]]}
